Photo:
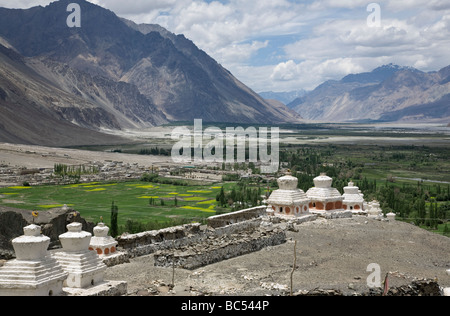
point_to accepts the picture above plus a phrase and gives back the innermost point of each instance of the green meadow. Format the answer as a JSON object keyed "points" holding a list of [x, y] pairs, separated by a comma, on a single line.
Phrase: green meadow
{"points": [[141, 202]]}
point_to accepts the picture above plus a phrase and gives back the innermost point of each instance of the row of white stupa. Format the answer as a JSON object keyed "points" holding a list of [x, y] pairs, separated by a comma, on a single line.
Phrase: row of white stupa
{"points": [[288, 200], [37, 272]]}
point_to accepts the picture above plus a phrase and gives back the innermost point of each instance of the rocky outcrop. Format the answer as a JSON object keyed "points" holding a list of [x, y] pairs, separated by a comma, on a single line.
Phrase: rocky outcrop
{"points": [[53, 223], [11, 226]]}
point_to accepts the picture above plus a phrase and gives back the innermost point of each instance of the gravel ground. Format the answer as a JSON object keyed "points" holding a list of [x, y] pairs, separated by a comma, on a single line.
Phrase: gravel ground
{"points": [[331, 254]]}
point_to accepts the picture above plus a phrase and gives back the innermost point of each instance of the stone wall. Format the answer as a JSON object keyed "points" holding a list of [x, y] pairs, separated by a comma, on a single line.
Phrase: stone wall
{"points": [[148, 242], [190, 246], [236, 217], [334, 214], [215, 249], [236, 228]]}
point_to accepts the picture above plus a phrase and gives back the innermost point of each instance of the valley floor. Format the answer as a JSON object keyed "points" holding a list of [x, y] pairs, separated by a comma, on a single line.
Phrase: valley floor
{"points": [[29, 156]]}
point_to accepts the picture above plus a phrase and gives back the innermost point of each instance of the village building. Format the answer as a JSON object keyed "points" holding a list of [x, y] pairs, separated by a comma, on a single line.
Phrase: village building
{"points": [[324, 197], [288, 200]]}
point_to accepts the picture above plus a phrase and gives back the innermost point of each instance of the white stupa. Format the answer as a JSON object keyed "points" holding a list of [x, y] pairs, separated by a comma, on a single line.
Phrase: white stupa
{"points": [[102, 243], [288, 200], [374, 210], [84, 266], [324, 197], [34, 272], [353, 199]]}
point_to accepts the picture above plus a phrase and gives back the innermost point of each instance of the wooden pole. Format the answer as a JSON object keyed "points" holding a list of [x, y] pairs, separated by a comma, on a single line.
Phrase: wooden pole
{"points": [[293, 267]]}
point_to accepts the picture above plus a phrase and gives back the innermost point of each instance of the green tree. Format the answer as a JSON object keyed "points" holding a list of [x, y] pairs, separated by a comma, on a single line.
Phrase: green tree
{"points": [[446, 230], [114, 222], [419, 205], [221, 198]]}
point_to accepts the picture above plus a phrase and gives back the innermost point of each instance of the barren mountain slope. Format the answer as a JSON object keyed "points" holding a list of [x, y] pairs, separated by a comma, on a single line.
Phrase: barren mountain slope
{"points": [[34, 111], [169, 70], [389, 93]]}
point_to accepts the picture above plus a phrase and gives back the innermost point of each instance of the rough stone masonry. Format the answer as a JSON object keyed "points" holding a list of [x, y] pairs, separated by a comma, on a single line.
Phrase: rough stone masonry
{"points": [[214, 249]]}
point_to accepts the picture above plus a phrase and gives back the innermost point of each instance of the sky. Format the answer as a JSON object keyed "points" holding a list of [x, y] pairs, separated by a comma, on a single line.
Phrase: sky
{"points": [[286, 45]]}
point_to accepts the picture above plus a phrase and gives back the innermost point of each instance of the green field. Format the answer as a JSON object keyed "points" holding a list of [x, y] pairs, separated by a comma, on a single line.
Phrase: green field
{"points": [[141, 202]]}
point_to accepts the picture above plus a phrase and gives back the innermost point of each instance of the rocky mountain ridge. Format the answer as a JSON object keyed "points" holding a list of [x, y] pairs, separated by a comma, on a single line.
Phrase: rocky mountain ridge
{"points": [[36, 111], [283, 97], [388, 93], [137, 75]]}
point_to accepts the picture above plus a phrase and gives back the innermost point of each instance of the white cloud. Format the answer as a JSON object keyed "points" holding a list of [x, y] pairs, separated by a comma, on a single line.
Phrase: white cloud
{"points": [[332, 37], [136, 7], [309, 74], [237, 53], [24, 4], [338, 47], [285, 71]]}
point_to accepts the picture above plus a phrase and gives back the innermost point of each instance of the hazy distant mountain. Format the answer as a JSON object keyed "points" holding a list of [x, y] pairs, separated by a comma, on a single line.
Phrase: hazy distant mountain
{"points": [[283, 97], [388, 93], [141, 74]]}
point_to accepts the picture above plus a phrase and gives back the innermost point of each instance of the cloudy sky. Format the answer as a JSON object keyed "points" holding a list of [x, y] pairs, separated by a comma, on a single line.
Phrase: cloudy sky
{"points": [[284, 45]]}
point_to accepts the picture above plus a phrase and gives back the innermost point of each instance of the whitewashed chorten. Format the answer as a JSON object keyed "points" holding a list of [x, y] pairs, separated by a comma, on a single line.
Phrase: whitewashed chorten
{"points": [[102, 243], [84, 266], [353, 199], [288, 200], [34, 272], [324, 197], [374, 210]]}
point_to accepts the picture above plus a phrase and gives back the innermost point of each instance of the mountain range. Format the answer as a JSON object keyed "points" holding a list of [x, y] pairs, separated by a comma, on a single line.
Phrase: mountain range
{"points": [[110, 74], [283, 97], [67, 86], [389, 93]]}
